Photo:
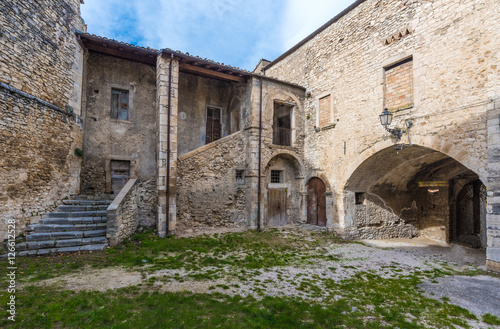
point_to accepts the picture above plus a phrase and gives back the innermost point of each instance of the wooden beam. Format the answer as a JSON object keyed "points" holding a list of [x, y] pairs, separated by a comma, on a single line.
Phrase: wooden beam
{"points": [[209, 73], [142, 58]]}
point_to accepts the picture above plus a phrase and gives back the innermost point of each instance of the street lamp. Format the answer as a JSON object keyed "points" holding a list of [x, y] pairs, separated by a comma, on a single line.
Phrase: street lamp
{"points": [[386, 120]]}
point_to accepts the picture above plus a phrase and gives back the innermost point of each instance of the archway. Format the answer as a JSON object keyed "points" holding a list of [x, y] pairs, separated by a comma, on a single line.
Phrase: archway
{"points": [[282, 200], [404, 193], [316, 202]]}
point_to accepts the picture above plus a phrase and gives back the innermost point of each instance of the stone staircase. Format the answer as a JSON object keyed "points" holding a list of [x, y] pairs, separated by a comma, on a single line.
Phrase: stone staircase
{"points": [[76, 225]]}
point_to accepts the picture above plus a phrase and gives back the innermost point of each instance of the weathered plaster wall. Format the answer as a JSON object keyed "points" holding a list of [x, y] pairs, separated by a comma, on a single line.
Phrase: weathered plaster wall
{"points": [[112, 139], [455, 57], [38, 167], [195, 94], [39, 51]]}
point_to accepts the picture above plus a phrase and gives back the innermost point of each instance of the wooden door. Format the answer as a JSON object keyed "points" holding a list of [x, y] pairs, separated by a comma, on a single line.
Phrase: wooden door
{"points": [[120, 174], [213, 130], [316, 202], [277, 207]]}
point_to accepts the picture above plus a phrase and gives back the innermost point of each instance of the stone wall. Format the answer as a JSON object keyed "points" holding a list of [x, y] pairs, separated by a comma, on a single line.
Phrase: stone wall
{"points": [[39, 51], [109, 139], [147, 201], [454, 77], [376, 222], [38, 166], [493, 185], [121, 216], [132, 208], [208, 195]]}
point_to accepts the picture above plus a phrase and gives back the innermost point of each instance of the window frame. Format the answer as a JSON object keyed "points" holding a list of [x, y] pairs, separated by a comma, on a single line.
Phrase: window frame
{"points": [[116, 115], [206, 121], [331, 109]]}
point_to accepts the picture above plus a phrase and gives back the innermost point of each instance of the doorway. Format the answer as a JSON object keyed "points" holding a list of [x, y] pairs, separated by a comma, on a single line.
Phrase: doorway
{"points": [[316, 202], [213, 128], [277, 207], [120, 174]]}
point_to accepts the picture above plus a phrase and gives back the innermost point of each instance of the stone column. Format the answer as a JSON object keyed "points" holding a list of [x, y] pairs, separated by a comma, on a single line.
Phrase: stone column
{"points": [[252, 155], [162, 82], [493, 185]]}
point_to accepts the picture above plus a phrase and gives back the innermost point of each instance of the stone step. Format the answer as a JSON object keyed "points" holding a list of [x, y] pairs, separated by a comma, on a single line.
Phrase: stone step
{"points": [[73, 221], [62, 250], [93, 213], [33, 245], [65, 227], [64, 235], [86, 202], [87, 207], [93, 197]]}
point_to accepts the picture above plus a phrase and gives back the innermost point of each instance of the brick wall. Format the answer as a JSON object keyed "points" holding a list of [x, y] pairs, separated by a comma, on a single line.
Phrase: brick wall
{"points": [[399, 86], [325, 116]]}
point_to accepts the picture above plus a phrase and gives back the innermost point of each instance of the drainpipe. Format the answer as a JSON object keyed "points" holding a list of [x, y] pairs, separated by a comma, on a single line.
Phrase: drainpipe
{"points": [[260, 158], [168, 144]]}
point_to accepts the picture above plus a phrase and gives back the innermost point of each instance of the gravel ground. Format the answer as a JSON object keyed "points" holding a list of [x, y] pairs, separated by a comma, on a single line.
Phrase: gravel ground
{"points": [[387, 258]]}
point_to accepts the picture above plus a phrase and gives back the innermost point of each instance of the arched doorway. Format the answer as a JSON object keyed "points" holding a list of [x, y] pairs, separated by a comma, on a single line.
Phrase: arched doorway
{"points": [[470, 215], [316, 202], [415, 191], [282, 200]]}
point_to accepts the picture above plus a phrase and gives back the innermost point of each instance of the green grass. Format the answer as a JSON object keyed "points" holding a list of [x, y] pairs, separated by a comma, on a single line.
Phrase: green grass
{"points": [[249, 250], [491, 319], [364, 300]]}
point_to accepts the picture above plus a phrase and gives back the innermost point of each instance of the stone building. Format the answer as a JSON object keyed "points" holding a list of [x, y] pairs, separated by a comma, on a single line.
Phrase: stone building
{"points": [[189, 145]]}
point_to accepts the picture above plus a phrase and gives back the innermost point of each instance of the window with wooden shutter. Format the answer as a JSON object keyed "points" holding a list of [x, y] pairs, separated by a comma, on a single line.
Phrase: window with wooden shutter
{"points": [[119, 104], [213, 130]]}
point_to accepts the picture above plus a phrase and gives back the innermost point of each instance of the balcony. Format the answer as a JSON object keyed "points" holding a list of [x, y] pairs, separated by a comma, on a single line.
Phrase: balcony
{"points": [[282, 136]]}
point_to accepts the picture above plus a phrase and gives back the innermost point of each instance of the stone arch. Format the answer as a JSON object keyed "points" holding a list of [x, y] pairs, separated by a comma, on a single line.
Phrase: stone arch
{"points": [[282, 190], [291, 155], [434, 143], [281, 95], [389, 192], [321, 176]]}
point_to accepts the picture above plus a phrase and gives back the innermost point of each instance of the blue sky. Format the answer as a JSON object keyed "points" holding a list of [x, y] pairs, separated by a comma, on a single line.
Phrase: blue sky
{"points": [[234, 32]]}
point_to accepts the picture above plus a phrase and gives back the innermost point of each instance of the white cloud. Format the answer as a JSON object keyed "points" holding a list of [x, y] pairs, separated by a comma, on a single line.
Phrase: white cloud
{"points": [[236, 32], [304, 17]]}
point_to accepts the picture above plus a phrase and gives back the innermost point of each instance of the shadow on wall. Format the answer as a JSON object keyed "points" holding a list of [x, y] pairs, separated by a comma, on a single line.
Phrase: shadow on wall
{"points": [[416, 191]]}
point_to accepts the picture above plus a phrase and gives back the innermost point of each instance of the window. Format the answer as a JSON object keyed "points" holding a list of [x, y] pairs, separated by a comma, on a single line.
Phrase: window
{"points": [[276, 176], [399, 85], [213, 131], [359, 198], [282, 124], [325, 112], [239, 176], [119, 104]]}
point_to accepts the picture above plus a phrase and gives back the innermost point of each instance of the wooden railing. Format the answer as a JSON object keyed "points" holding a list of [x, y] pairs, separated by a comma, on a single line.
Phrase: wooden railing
{"points": [[282, 136]]}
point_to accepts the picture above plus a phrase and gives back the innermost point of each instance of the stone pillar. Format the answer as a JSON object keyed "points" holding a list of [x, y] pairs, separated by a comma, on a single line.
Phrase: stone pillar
{"points": [[252, 156], [493, 185], [162, 82]]}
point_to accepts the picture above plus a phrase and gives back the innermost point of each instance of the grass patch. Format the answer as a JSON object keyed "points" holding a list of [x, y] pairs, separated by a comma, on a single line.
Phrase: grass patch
{"points": [[364, 301], [491, 319], [146, 251]]}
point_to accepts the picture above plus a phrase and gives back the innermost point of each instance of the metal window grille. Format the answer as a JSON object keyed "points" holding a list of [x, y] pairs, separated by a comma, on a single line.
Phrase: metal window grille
{"points": [[276, 176], [239, 176]]}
